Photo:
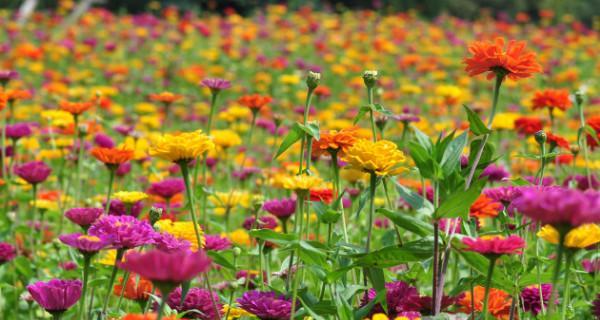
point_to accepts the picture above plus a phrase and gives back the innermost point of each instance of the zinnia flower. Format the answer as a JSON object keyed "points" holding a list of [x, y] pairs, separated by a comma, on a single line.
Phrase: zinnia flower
{"points": [[400, 297], [528, 125], [281, 208], [551, 98], [183, 147], [495, 245], [515, 62], [498, 302], [216, 84], [56, 296], [87, 245], [530, 297], [301, 182], [266, 305], [135, 289], [484, 207], [130, 197], [167, 188], [381, 158], [583, 236], [334, 141], [125, 232], [559, 206], [197, 299], [75, 108], [216, 243], [167, 270], [254, 101], [165, 97], [112, 157], [7, 252], [33, 172], [182, 230], [18, 130], [83, 217]]}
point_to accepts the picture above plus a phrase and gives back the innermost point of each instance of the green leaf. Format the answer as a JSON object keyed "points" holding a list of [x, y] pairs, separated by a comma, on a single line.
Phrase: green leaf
{"points": [[408, 222], [422, 139], [386, 257], [311, 129], [272, 236], [451, 158], [377, 278], [325, 213], [379, 108], [458, 203], [486, 155], [520, 182], [219, 258], [415, 200], [590, 131], [294, 135], [422, 159], [23, 267], [475, 124], [361, 113]]}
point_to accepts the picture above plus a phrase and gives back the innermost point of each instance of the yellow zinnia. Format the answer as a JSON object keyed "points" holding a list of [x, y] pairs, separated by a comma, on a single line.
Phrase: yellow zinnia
{"points": [[301, 182], [184, 146], [182, 230], [580, 237], [235, 313], [226, 139], [381, 158], [130, 197]]}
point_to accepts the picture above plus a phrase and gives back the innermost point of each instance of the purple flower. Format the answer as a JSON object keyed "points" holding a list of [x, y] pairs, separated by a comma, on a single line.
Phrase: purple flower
{"points": [[118, 208], [103, 140], [591, 266], [196, 299], [56, 296], [84, 243], [281, 208], [18, 130], [546, 181], [7, 75], [505, 195], [582, 182], [495, 173], [266, 305], [167, 268], [126, 232], [83, 217], [245, 173], [531, 298], [400, 297], [264, 222], [596, 307], [7, 252], [216, 84], [123, 169], [559, 206], [216, 243], [167, 188], [168, 243], [33, 172]]}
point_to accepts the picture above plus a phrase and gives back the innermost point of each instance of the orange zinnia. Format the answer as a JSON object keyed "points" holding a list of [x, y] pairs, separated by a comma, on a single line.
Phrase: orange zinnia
{"points": [[516, 62], [16, 94], [3, 99], [593, 122], [254, 101], [335, 141], [165, 97], [557, 140], [551, 98], [147, 316], [135, 289], [75, 108], [498, 302], [112, 156], [484, 207]]}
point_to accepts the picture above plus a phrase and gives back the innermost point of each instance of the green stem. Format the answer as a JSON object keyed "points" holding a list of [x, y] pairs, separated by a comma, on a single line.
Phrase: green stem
{"points": [[543, 160], [190, 195], [584, 143], [488, 284], [567, 285], [371, 113], [337, 190], [111, 178], [372, 185], [161, 307], [87, 258], [111, 281], [559, 255]]}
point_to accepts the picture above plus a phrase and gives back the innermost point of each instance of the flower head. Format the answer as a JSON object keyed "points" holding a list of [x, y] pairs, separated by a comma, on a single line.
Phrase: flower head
{"points": [[56, 296], [33, 172], [217, 243], [551, 98], [531, 298], [381, 158], [216, 84], [583, 236], [254, 101], [515, 61], [7, 252], [75, 108], [162, 267], [495, 246], [266, 305], [498, 302], [84, 243], [83, 217], [135, 289], [124, 231], [484, 207], [559, 206], [182, 147], [400, 297], [301, 182], [182, 230], [335, 141], [112, 156], [281, 208], [165, 97], [18, 130], [130, 197], [197, 299], [167, 188]]}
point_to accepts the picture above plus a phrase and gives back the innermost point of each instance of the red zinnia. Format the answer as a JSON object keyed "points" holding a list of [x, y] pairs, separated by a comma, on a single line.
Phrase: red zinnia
{"points": [[515, 62], [254, 101], [551, 98], [593, 122], [553, 139], [496, 245], [528, 125]]}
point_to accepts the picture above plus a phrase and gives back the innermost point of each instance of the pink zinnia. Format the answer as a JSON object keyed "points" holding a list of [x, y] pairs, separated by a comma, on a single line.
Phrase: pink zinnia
{"points": [[495, 246], [167, 269]]}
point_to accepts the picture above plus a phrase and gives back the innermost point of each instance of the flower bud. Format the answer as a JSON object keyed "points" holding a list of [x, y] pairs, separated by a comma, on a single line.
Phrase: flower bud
{"points": [[155, 214], [370, 78], [574, 149], [83, 129], [236, 251], [312, 80], [233, 285], [579, 97], [540, 137]]}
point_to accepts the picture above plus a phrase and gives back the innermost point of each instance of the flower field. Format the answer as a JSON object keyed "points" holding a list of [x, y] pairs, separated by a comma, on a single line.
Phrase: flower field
{"points": [[298, 165]]}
